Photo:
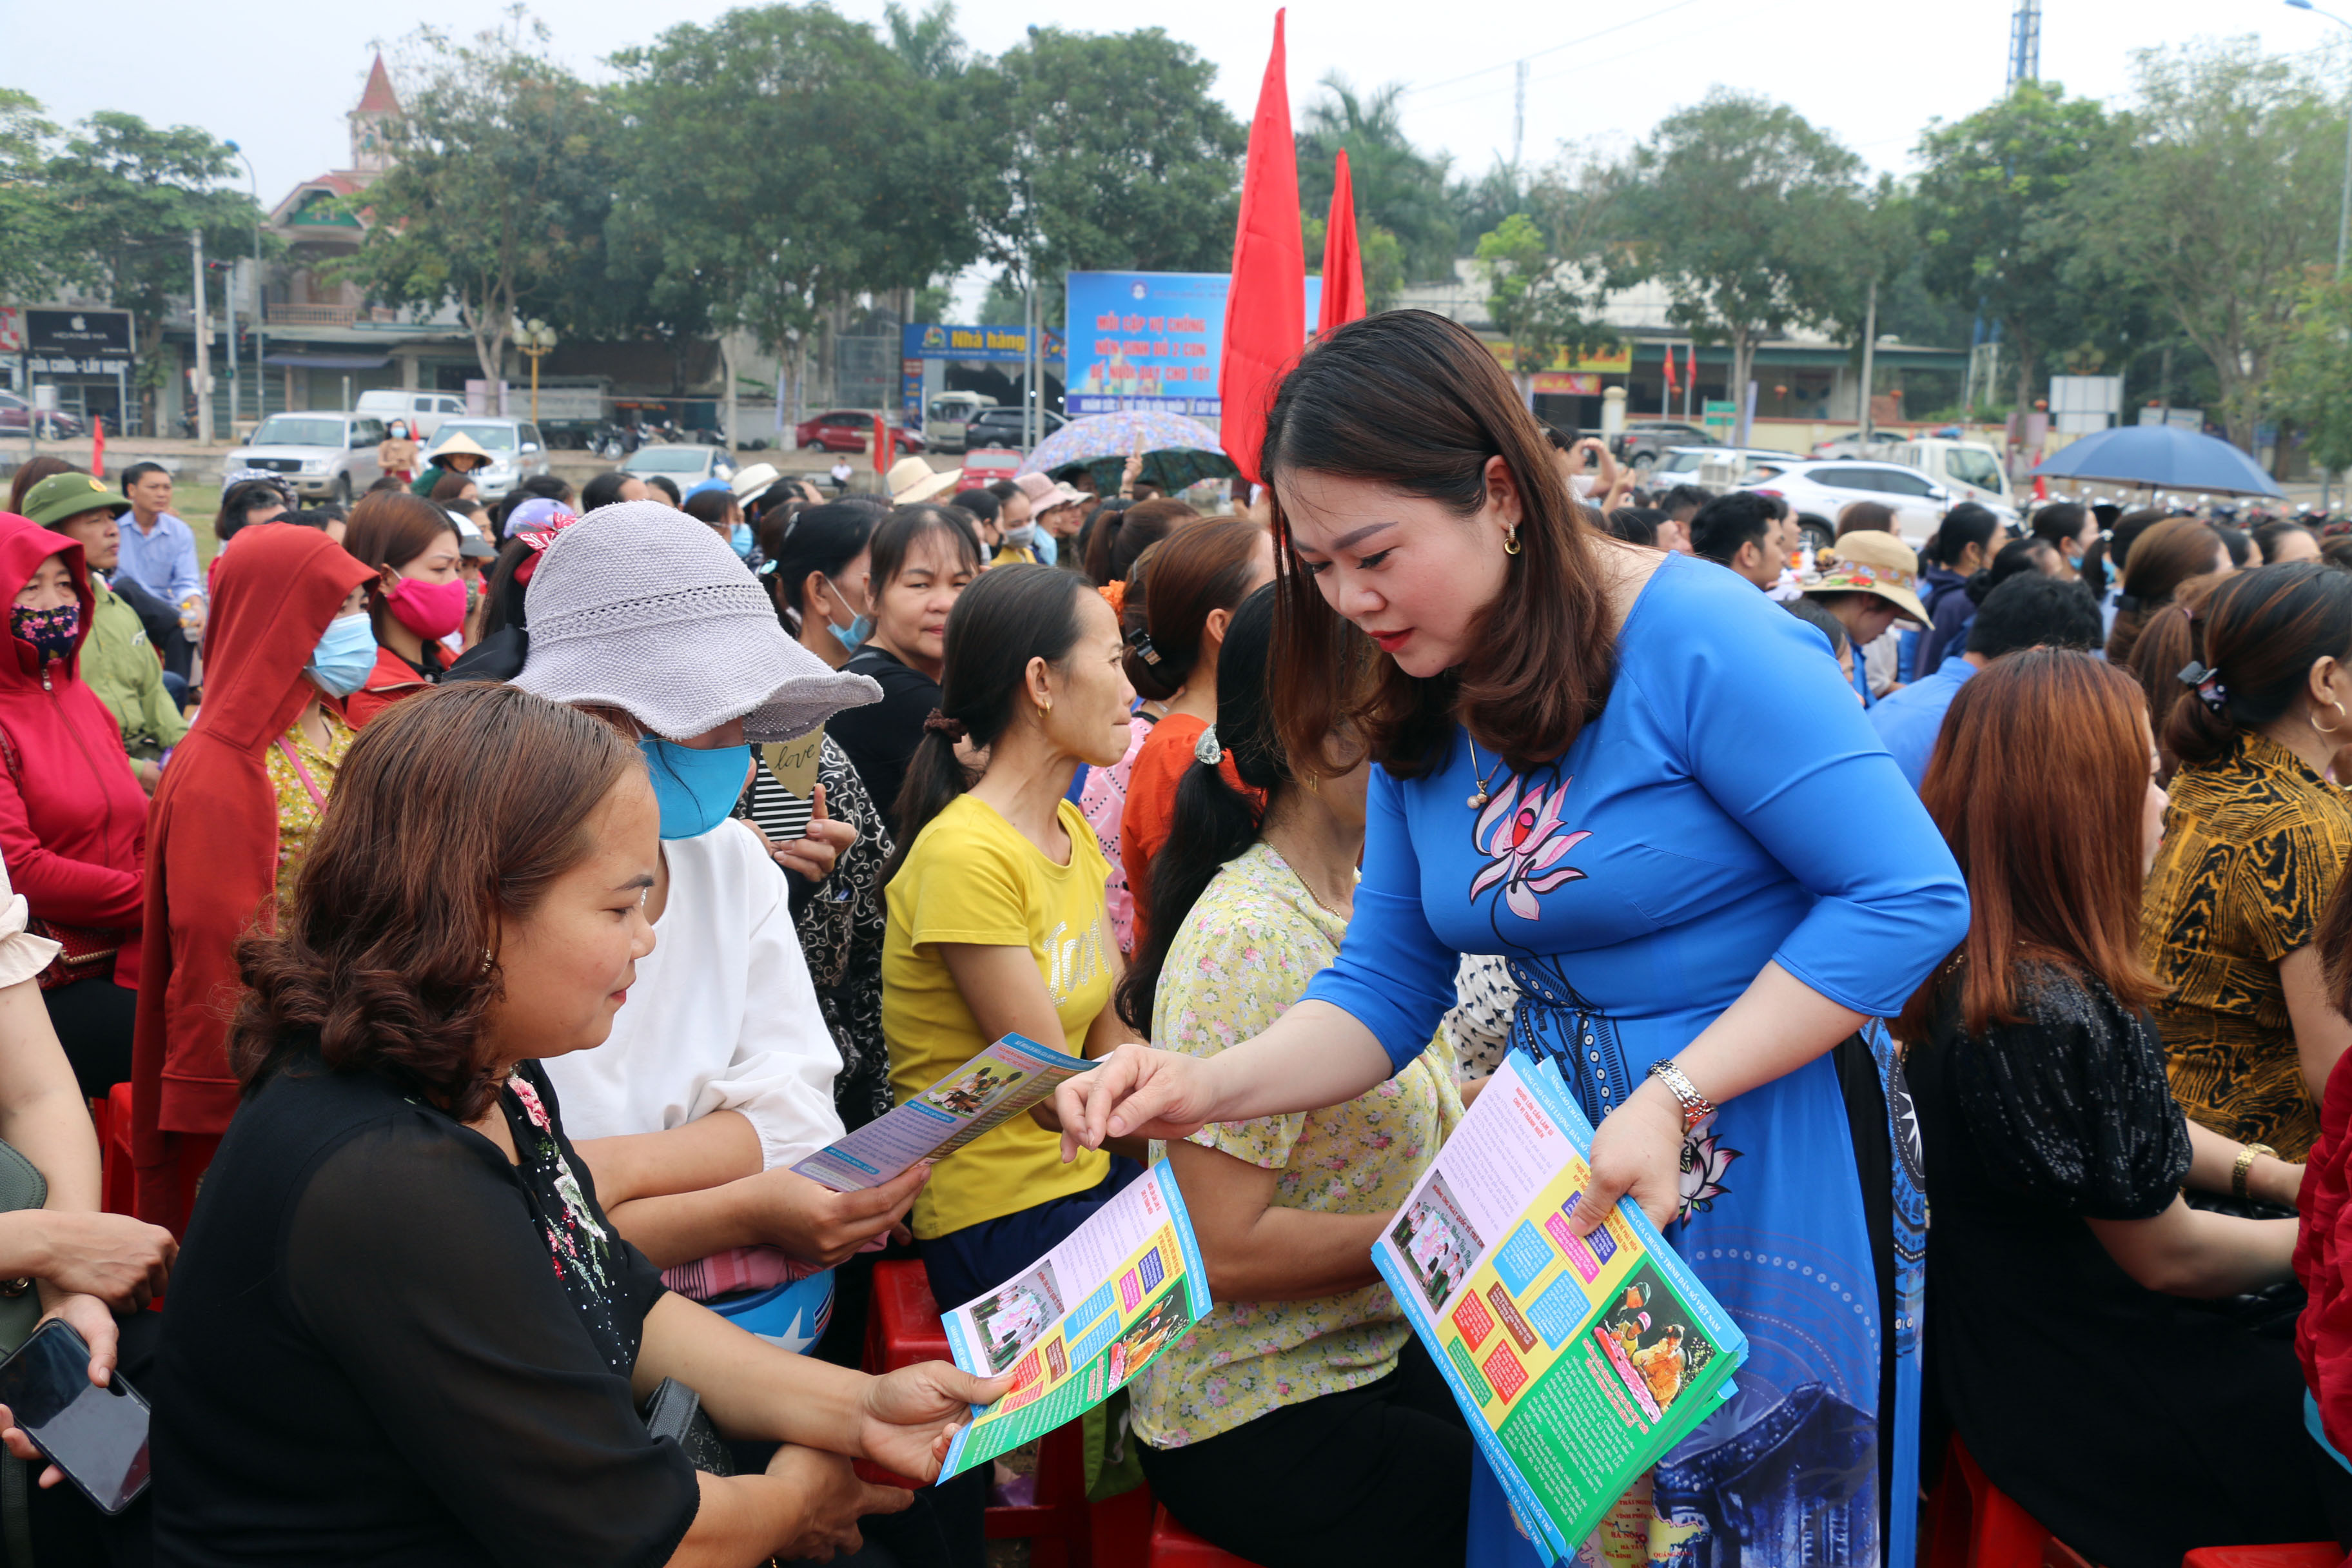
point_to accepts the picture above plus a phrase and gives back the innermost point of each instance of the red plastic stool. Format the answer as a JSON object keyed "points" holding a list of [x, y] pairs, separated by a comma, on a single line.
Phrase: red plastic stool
{"points": [[2304, 1554], [902, 1327], [1173, 1546], [1974, 1524]]}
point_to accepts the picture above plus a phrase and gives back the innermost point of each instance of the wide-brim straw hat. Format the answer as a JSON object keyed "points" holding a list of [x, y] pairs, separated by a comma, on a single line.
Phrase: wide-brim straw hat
{"points": [[1865, 561], [910, 479], [640, 607]]}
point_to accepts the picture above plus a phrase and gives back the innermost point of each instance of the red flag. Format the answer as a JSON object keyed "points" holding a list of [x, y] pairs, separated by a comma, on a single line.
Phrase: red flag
{"points": [[1343, 264], [97, 447], [1691, 375], [1265, 305], [1672, 384]]}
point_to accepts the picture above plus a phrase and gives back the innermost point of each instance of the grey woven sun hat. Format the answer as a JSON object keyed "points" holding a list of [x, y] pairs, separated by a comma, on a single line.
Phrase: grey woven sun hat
{"points": [[639, 606]]}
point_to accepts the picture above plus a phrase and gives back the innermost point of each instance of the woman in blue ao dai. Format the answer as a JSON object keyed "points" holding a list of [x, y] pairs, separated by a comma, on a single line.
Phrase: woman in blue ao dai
{"points": [[1637, 781]]}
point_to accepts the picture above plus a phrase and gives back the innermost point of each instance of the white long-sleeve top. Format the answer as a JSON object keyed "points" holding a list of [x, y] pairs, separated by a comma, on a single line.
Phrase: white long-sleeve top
{"points": [[723, 1016]]}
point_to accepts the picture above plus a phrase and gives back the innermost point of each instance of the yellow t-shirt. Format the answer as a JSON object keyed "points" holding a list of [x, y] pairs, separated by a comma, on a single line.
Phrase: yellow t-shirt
{"points": [[972, 878]]}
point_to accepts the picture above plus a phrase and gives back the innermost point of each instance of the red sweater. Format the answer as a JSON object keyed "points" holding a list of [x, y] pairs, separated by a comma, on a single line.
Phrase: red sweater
{"points": [[212, 872], [73, 821], [2323, 1260], [393, 679]]}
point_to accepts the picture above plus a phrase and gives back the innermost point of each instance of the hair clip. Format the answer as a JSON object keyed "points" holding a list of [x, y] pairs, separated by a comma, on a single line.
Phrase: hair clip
{"points": [[1208, 749], [1139, 640], [2207, 683]]}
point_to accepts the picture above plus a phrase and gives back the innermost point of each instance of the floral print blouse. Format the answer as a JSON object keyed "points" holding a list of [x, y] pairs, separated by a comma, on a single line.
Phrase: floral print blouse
{"points": [[298, 814], [1243, 956]]}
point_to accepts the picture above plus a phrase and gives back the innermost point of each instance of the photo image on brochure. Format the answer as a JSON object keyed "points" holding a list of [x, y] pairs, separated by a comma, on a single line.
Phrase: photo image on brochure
{"points": [[1651, 1341], [1012, 1316], [1162, 1325], [1438, 1242], [968, 1094]]}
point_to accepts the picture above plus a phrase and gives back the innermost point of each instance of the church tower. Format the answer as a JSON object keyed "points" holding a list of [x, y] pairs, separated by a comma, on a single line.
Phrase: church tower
{"points": [[372, 122]]}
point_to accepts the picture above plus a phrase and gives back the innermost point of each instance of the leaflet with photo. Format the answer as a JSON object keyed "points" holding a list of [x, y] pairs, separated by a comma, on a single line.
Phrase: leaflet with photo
{"points": [[1076, 1325], [1001, 1083], [1579, 1360]]}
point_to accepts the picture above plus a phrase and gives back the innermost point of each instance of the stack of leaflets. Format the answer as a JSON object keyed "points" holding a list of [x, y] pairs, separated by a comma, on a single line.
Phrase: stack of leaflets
{"points": [[1001, 1083], [1078, 1325], [1579, 1359]]}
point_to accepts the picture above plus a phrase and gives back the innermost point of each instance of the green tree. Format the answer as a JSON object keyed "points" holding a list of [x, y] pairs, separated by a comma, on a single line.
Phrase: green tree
{"points": [[2312, 382], [1752, 219], [2227, 193], [1120, 158], [31, 225], [1995, 226], [124, 197], [928, 44], [1540, 293], [497, 199], [782, 158], [1382, 256], [1398, 187]]}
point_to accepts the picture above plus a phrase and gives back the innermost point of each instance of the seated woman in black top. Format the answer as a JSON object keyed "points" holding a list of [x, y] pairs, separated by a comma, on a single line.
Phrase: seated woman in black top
{"points": [[922, 557], [2075, 1330], [400, 1330]]}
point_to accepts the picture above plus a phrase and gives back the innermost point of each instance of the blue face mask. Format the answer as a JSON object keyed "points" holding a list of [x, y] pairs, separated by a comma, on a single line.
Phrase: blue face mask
{"points": [[739, 539], [345, 654], [853, 635], [695, 789]]}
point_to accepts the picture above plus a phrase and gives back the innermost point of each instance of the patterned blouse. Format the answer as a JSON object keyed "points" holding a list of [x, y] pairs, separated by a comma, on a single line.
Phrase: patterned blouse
{"points": [[2253, 845], [298, 814], [1243, 956]]}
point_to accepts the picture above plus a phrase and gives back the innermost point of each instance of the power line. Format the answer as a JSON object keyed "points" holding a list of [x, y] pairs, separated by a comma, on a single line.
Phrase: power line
{"points": [[1552, 49]]}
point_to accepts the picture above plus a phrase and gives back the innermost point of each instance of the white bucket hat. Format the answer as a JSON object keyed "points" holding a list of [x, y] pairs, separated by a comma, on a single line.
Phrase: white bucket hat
{"points": [[910, 479], [749, 482], [640, 607]]}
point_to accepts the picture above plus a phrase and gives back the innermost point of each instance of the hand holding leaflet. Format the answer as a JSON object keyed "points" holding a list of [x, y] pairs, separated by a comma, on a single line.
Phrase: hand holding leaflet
{"points": [[1002, 1082], [1579, 1360], [1082, 1320]]}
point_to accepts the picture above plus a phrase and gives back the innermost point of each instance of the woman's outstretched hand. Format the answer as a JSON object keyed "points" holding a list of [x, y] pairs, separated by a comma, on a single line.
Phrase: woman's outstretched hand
{"points": [[910, 1417], [1137, 1092], [1636, 1149]]}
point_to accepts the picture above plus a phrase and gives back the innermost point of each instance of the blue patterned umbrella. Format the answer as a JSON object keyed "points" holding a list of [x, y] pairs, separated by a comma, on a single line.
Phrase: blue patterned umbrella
{"points": [[1082, 442]]}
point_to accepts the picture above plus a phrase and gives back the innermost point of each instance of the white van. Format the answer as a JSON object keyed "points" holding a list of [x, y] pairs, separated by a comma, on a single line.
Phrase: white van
{"points": [[423, 410], [945, 420], [1969, 470]]}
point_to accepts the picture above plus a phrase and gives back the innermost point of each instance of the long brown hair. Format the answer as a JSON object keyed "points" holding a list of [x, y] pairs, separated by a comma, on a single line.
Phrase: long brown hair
{"points": [[1119, 537], [1412, 401], [2166, 645], [2260, 633], [1194, 571], [2162, 560], [2038, 782], [453, 810]]}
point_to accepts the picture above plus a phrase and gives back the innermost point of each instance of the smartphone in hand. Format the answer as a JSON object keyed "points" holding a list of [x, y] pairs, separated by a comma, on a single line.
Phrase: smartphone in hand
{"points": [[97, 1436]]}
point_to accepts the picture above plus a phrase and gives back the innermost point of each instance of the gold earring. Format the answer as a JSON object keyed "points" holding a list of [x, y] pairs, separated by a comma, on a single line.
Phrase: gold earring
{"points": [[2339, 712], [1510, 539], [1045, 709]]}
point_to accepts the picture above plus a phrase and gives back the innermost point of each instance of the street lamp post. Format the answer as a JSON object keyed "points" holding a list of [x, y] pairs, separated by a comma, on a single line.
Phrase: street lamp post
{"points": [[2343, 213], [260, 376], [535, 341]]}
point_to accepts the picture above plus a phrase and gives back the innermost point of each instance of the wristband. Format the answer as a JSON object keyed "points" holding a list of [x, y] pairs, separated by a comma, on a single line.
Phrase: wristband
{"points": [[1696, 1107]]}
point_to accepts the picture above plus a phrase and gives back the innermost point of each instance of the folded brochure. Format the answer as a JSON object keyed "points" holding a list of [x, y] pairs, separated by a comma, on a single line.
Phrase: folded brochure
{"points": [[1135, 1274], [1001, 1083], [1579, 1360]]}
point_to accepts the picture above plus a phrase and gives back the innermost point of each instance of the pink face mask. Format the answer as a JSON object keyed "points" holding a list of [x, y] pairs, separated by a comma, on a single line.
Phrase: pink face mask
{"points": [[431, 610]]}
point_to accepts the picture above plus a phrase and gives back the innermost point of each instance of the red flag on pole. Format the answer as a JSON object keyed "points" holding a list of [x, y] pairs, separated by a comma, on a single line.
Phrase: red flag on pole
{"points": [[1691, 375], [97, 447], [1343, 264], [1673, 385], [1265, 305]]}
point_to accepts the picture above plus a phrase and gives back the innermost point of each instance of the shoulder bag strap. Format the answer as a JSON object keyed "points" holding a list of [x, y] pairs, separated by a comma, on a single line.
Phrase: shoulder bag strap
{"points": [[318, 799]]}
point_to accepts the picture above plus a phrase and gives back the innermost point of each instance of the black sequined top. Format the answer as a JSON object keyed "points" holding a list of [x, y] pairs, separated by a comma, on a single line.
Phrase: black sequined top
{"points": [[2131, 1423]]}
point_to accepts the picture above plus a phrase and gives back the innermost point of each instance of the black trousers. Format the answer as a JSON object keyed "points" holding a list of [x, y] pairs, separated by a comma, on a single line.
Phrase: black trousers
{"points": [[93, 1019], [1376, 1474]]}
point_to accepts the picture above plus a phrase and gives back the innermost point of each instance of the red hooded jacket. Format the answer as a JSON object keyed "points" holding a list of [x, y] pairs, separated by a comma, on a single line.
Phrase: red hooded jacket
{"points": [[393, 679], [208, 886], [73, 821], [2323, 1260]]}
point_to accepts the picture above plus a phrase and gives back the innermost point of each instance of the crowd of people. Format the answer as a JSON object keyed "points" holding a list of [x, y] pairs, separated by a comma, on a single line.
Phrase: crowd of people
{"points": [[486, 906]]}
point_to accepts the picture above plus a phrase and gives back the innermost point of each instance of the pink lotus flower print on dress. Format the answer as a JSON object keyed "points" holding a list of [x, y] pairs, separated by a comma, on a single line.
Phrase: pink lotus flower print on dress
{"points": [[1524, 840]]}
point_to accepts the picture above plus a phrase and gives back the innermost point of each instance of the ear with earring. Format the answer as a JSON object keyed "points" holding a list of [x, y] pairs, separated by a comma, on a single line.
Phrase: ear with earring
{"points": [[1510, 539], [2332, 730]]}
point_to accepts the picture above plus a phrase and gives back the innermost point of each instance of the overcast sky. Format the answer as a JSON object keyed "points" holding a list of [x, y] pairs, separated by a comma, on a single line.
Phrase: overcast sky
{"points": [[277, 76]]}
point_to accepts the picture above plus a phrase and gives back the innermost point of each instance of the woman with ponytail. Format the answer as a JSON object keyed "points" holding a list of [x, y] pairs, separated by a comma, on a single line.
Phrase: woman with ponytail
{"points": [[1301, 1421], [2255, 841], [1198, 576]]}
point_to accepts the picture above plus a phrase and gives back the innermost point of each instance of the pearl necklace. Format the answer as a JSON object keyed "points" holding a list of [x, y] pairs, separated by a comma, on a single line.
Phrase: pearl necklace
{"points": [[1477, 801]]}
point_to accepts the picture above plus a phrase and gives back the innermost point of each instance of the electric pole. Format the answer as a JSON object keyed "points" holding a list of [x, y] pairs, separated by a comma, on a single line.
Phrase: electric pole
{"points": [[201, 316]]}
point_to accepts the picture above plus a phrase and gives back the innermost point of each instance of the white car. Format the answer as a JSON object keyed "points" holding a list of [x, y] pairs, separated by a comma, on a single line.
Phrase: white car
{"points": [[424, 411], [323, 456], [515, 451], [1820, 488], [685, 467], [1684, 465]]}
